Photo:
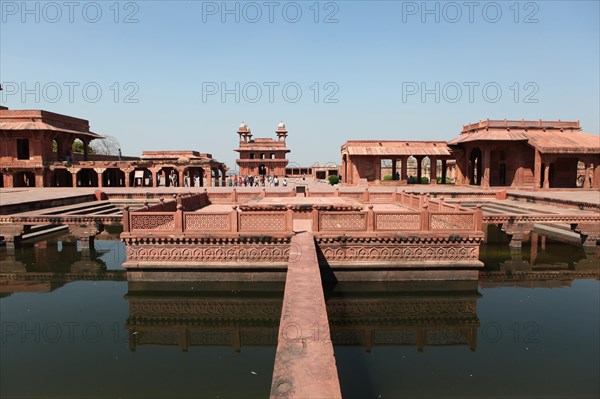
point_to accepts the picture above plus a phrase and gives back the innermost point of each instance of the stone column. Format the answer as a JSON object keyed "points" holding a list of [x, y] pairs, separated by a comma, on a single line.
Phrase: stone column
{"points": [[74, 178], [537, 170], [444, 171], [86, 143], [586, 175], [100, 182], [419, 171], [393, 169], [547, 175], [180, 177], [485, 179], [39, 179], [208, 177], [432, 170], [596, 176], [12, 235], [404, 165]]}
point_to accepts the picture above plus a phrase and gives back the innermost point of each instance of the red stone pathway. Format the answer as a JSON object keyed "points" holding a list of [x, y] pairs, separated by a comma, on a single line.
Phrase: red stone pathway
{"points": [[304, 365]]}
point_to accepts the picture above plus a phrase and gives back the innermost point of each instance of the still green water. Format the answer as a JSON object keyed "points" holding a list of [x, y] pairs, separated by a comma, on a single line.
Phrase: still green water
{"points": [[72, 326]]}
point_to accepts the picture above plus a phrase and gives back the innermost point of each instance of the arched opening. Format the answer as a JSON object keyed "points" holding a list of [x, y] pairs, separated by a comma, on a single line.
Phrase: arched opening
{"points": [[62, 178], [475, 167], [24, 179], [55, 150], [142, 177], [113, 177], [195, 176], [168, 176], [262, 170], [87, 178], [77, 150]]}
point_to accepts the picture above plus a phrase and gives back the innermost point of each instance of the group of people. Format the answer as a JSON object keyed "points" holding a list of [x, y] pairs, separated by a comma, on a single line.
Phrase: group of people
{"points": [[187, 180], [256, 181]]}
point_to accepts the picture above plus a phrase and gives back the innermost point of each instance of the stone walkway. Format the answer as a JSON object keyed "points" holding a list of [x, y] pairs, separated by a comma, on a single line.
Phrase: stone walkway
{"points": [[305, 364]]}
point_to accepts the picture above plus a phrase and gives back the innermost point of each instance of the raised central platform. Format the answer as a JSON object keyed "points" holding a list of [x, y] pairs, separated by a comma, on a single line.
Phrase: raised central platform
{"points": [[394, 237]]}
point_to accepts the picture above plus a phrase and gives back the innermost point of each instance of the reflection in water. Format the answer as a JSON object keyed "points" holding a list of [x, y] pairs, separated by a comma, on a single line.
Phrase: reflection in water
{"points": [[188, 314], [443, 339], [46, 265], [427, 314], [541, 262]]}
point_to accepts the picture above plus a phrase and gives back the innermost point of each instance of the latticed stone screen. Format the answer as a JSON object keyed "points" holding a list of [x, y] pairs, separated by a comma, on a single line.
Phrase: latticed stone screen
{"points": [[396, 221]]}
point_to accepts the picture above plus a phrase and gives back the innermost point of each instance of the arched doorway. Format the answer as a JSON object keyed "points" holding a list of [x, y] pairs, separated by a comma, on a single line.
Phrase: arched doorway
{"points": [[113, 177], [262, 169], [163, 174], [87, 178], [196, 176], [475, 167], [141, 177], [62, 178], [24, 179]]}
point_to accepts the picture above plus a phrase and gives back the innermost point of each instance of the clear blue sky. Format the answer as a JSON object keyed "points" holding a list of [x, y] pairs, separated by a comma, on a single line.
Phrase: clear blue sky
{"points": [[370, 61]]}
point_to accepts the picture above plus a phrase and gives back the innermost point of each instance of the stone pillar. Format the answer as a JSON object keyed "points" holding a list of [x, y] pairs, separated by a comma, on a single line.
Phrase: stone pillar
{"points": [[86, 143], [180, 177], [432, 170], [537, 170], [547, 175], [393, 169], [8, 180], [534, 247], [74, 178], [208, 177], [404, 165], [127, 179], [485, 180], [419, 171], [224, 179], [587, 175], [596, 176], [100, 182], [39, 179], [12, 235], [444, 171]]}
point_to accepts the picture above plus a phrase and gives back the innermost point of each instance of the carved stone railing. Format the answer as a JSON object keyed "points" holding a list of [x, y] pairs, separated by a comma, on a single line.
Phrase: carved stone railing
{"points": [[341, 222], [235, 221]]}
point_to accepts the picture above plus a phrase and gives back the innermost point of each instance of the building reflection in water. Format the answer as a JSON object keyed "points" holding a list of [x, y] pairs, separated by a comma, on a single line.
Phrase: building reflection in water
{"points": [[541, 262], [191, 314], [409, 314], [188, 314], [45, 265]]}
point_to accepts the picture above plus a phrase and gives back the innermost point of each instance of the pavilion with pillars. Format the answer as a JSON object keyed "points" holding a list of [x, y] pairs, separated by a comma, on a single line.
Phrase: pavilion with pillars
{"points": [[527, 154], [36, 150], [262, 156], [362, 160]]}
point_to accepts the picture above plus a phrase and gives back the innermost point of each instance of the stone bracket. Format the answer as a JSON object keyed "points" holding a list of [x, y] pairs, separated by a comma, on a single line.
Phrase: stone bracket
{"points": [[589, 233], [12, 233], [517, 232]]}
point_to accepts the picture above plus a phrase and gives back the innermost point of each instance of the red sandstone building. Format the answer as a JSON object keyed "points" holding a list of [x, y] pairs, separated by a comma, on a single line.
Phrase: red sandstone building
{"points": [[504, 153], [36, 150], [262, 156], [526, 154], [362, 160]]}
